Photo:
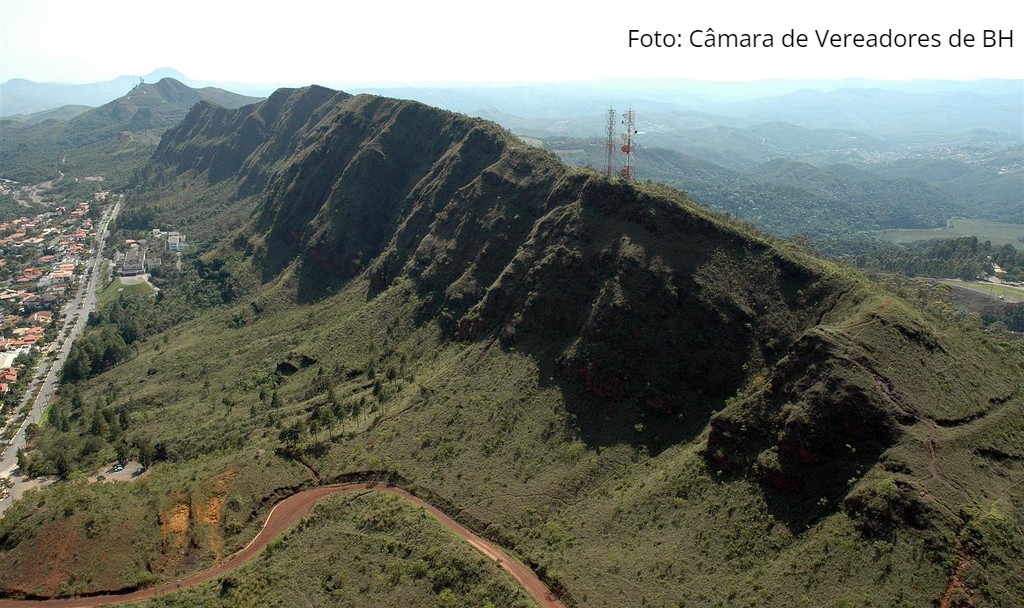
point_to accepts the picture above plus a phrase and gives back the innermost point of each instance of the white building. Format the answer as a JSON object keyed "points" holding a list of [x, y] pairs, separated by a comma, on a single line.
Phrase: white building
{"points": [[134, 262], [176, 241]]}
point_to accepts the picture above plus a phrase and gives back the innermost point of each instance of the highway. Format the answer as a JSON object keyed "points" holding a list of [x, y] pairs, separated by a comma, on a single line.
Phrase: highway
{"points": [[75, 314]]}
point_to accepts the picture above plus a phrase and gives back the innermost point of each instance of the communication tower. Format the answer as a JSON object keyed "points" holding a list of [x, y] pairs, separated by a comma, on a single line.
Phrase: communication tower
{"points": [[609, 167], [628, 131]]}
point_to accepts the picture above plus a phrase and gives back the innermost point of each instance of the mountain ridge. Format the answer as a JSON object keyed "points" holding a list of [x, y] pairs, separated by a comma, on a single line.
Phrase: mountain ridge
{"points": [[641, 397]]}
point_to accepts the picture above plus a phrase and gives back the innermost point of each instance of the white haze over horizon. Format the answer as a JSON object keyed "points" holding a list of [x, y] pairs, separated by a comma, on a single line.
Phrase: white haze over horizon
{"points": [[445, 42]]}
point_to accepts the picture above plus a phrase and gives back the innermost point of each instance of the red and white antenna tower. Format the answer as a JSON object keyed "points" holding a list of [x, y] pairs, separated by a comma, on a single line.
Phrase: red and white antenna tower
{"points": [[628, 130], [609, 167]]}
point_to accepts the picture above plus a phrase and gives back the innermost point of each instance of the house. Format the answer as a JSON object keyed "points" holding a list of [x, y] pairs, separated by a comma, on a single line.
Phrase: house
{"points": [[58, 290], [29, 275], [43, 317], [56, 277], [49, 300], [134, 262], [176, 242]]}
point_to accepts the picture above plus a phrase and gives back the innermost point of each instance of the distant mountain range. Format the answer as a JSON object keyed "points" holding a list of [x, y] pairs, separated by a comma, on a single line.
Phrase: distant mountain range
{"points": [[19, 96], [124, 130], [843, 155], [874, 107]]}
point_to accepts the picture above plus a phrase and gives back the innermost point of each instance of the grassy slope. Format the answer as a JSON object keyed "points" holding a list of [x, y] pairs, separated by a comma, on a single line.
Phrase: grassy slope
{"points": [[75, 536], [482, 428], [118, 289], [363, 550]]}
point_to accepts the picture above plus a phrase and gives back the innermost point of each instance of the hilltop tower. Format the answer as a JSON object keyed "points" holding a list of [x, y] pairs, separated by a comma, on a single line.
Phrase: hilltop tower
{"points": [[609, 167], [628, 131]]}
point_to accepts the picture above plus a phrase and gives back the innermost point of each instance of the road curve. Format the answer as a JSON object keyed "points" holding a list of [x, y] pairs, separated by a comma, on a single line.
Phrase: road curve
{"points": [[286, 514]]}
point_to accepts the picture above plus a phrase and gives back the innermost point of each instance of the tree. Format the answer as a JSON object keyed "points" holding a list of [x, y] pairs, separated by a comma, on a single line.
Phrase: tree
{"points": [[23, 461], [291, 435], [338, 412], [123, 451], [61, 459], [146, 450], [114, 429], [98, 427]]}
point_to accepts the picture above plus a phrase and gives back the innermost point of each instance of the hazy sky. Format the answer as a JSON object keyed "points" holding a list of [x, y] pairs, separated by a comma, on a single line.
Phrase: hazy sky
{"points": [[349, 42]]}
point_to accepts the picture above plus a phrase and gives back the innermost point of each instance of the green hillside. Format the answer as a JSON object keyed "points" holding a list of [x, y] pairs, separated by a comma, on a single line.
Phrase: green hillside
{"points": [[645, 401], [113, 139], [62, 113]]}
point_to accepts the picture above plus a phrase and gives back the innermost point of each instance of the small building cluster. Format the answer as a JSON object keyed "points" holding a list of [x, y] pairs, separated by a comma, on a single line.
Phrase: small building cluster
{"points": [[139, 256], [176, 242]]}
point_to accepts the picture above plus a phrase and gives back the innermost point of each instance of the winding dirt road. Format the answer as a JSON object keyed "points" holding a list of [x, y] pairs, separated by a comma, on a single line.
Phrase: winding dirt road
{"points": [[286, 514]]}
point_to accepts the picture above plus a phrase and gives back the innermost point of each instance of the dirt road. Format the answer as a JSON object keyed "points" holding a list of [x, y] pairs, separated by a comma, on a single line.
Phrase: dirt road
{"points": [[283, 516]]}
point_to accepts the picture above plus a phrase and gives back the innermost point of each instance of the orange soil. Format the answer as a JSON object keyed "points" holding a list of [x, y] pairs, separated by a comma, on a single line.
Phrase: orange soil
{"points": [[177, 520], [283, 516]]}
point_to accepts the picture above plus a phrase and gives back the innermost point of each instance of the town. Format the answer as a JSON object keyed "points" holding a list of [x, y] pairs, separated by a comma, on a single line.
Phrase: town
{"points": [[46, 294], [43, 258]]}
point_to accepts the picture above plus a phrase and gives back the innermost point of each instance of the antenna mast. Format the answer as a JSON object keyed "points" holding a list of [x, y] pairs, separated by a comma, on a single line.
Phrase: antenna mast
{"points": [[609, 167], [629, 129]]}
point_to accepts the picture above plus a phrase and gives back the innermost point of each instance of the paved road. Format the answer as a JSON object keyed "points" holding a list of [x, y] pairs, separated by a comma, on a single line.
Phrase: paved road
{"points": [[1011, 294], [286, 514], [75, 314]]}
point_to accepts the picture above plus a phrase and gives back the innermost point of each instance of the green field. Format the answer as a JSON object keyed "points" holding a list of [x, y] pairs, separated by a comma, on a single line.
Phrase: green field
{"points": [[997, 232], [1009, 293], [117, 288]]}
